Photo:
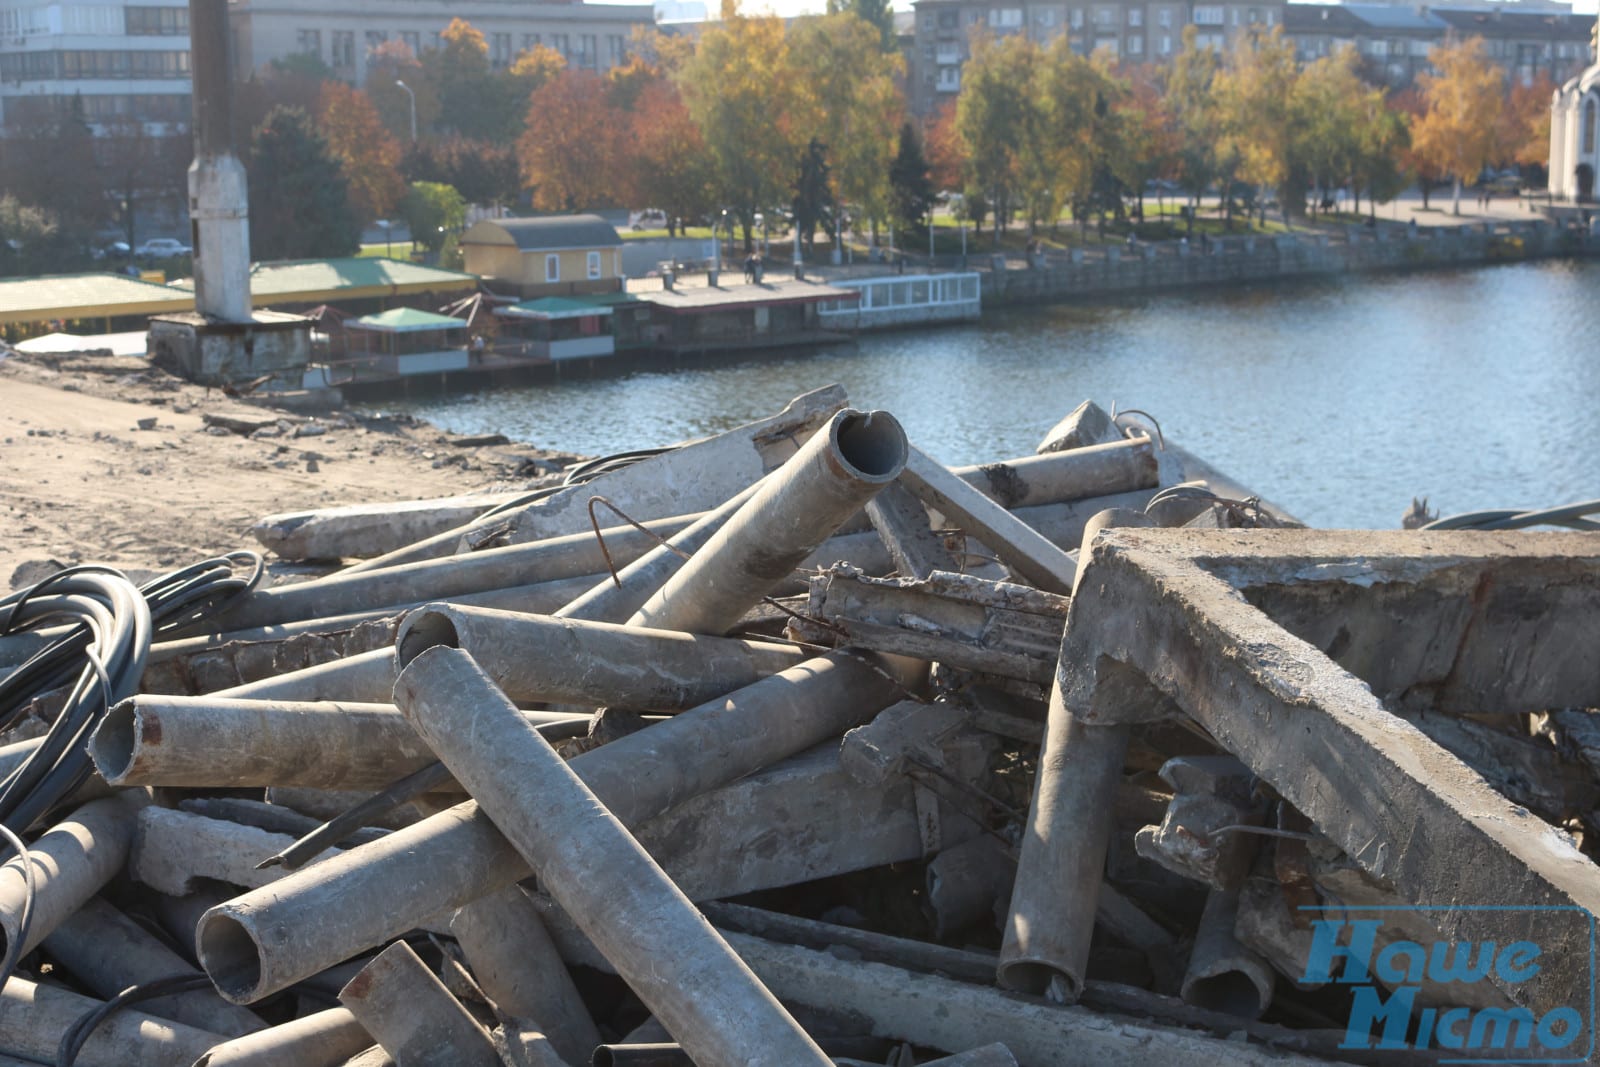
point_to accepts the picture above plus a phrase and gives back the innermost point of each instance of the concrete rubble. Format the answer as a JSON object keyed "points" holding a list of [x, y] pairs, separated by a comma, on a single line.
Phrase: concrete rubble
{"points": [[795, 746]]}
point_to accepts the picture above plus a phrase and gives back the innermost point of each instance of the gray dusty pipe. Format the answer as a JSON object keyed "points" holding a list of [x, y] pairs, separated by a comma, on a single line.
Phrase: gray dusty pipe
{"points": [[570, 661], [440, 579], [72, 861], [108, 952], [1223, 975], [616, 600], [325, 1039], [33, 1019], [264, 941], [661, 946], [517, 967], [1053, 904], [367, 678], [410, 1012], [1077, 473], [224, 743], [795, 510]]}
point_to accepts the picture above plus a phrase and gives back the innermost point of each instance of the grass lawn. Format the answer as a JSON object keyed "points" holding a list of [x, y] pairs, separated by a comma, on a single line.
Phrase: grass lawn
{"points": [[387, 250]]}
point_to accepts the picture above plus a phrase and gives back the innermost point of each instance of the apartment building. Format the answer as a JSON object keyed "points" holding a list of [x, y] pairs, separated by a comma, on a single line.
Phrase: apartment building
{"points": [[1394, 40], [343, 32], [1135, 30], [123, 60]]}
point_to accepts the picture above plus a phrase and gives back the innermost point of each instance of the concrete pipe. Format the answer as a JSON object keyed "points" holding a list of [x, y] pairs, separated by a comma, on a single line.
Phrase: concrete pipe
{"points": [[262, 942], [33, 1019], [1223, 975], [410, 1012], [108, 952], [569, 661], [795, 510], [662, 947], [72, 861], [1077, 473], [372, 1057], [571, 556], [225, 743], [367, 678], [616, 600], [325, 1039], [1053, 904], [517, 967]]}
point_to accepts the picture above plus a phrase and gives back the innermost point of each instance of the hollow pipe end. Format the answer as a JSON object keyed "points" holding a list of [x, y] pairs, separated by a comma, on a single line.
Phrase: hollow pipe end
{"points": [[115, 743], [1040, 978], [871, 445], [230, 955], [425, 628]]}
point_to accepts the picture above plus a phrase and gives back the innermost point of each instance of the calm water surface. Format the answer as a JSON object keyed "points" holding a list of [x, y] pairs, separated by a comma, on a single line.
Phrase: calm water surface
{"points": [[1476, 388]]}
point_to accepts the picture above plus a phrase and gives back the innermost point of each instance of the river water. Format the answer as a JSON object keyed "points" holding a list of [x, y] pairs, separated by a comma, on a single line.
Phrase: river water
{"points": [[1339, 400]]}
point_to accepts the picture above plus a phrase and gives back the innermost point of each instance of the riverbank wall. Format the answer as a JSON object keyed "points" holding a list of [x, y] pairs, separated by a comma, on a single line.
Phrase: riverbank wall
{"points": [[1167, 266]]}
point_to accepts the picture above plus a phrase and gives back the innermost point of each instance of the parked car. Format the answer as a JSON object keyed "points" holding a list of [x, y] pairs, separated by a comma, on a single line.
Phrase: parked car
{"points": [[112, 250], [162, 248], [651, 219]]}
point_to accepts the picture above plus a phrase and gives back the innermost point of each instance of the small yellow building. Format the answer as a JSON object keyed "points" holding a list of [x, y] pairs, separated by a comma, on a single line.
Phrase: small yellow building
{"points": [[561, 255]]}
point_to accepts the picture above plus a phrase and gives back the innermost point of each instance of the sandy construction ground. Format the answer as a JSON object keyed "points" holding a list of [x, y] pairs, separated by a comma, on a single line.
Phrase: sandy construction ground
{"points": [[82, 482]]}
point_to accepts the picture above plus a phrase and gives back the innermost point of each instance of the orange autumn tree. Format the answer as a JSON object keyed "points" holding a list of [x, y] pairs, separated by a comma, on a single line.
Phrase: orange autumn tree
{"points": [[1524, 135], [368, 153], [1461, 119], [668, 167], [570, 151]]}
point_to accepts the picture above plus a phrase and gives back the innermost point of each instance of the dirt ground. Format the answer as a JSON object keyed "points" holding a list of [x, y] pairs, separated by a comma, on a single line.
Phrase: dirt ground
{"points": [[105, 460]]}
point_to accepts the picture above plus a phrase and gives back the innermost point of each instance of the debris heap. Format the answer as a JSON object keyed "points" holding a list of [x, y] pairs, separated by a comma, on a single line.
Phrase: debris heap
{"points": [[794, 746]]}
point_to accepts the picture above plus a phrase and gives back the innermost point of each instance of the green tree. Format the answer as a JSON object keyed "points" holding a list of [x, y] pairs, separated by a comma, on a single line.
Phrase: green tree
{"points": [[299, 199], [878, 14], [855, 107], [27, 238], [50, 163], [434, 212], [1259, 120], [139, 170], [1192, 104], [1461, 120], [753, 110], [1330, 100], [813, 194], [909, 179], [995, 118]]}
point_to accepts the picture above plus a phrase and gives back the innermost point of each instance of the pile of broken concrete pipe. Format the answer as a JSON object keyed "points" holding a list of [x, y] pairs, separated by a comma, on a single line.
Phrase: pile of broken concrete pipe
{"points": [[742, 753]]}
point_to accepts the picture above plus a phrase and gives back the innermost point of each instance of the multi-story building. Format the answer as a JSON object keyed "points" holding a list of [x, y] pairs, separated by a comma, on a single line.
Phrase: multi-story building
{"points": [[1136, 30], [1394, 40], [1528, 37], [343, 32], [123, 59]]}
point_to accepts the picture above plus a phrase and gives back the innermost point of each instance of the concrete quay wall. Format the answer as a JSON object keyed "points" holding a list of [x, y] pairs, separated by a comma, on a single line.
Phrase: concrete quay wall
{"points": [[1235, 260]]}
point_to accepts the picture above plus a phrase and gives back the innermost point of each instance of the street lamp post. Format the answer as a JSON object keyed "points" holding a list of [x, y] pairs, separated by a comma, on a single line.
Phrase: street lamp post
{"points": [[413, 97], [717, 241]]}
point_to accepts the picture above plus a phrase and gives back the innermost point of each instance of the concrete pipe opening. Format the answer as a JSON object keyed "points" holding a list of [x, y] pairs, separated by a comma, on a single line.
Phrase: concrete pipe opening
{"points": [[1230, 992], [113, 742], [871, 442], [1038, 979], [230, 956], [422, 630]]}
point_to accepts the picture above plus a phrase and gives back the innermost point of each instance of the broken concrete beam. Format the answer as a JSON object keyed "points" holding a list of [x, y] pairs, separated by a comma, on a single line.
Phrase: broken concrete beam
{"points": [[1525, 770], [1174, 608], [1019, 546], [516, 965], [570, 556], [34, 1018], [693, 477], [71, 862], [964, 884], [899, 738], [1211, 794], [325, 1039], [108, 952], [457, 856], [902, 522], [616, 599], [1223, 974], [719, 844], [398, 1000], [570, 661], [993, 627], [795, 510], [1085, 425], [662, 947], [362, 531]]}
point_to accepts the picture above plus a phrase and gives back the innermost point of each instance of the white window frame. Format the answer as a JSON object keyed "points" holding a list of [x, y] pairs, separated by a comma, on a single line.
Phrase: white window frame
{"points": [[552, 267], [594, 266], [1135, 17]]}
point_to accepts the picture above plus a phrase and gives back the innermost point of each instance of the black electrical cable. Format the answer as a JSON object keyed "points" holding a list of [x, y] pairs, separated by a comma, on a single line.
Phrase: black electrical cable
{"points": [[78, 1033], [100, 654]]}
